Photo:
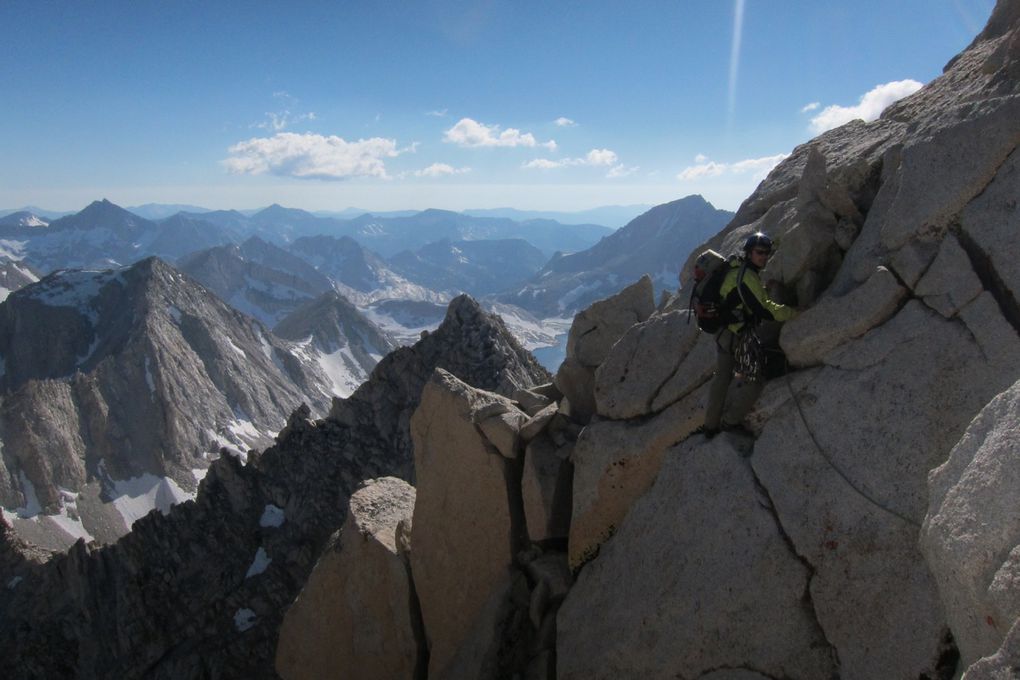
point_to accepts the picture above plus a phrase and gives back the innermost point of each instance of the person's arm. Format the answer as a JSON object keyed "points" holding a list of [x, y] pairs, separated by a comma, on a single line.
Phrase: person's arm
{"points": [[753, 295]]}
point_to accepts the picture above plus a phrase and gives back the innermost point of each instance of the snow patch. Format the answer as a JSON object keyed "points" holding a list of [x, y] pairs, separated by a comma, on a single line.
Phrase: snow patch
{"points": [[77, 289], [12, 250], [267, 349], [272, 516], [404, 334], [242, 428], [259, 564], [199, 473], [234, 347], [218, 441], [13, 583], [342, 368], [148, 377], [67, 518], [585, 288], [244, 619], [26, 273], [136, 497], [175, 314], [4, 292]]}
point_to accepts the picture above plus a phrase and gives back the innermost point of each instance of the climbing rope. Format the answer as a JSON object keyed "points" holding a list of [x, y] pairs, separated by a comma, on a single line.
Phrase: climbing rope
{"points": [[821, 451]]}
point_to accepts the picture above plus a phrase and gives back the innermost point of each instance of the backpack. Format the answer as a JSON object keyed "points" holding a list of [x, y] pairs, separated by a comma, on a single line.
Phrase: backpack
{"points": [[709, 272]]}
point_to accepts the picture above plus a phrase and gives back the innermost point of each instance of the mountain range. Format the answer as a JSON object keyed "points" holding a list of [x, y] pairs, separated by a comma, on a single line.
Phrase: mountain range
{"points": [[119, 387], [655, 243]]}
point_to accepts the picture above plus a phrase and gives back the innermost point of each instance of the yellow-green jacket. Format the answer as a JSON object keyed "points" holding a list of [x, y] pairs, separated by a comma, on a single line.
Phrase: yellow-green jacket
{"points": [[758, 305]]}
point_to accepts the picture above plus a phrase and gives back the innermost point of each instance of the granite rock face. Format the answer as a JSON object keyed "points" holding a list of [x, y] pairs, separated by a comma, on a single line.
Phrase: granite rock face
{"points": [[971, 533], [354, 617], [699, 576], [592, 335], [465, 532], [910, 327]]}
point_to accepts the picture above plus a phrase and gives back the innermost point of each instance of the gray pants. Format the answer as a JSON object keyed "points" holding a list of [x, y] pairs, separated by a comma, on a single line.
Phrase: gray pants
{"points": [[729, 412]]}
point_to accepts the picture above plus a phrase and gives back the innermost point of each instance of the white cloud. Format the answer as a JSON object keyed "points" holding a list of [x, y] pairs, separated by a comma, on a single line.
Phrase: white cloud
{"points": [[279, 121], [439, 170], [438, 113], [594, 158], [810, 107], [565, 122], [700, 158], [621, 171], [760, 166], [472, 134], [311, 156], [600, 157], [709, 169], [706, 168], [869, 108], [544, 164]]}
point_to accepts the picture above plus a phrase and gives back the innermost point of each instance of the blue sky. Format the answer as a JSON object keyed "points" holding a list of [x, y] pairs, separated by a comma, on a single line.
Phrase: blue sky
{"points": [[457, 104]]}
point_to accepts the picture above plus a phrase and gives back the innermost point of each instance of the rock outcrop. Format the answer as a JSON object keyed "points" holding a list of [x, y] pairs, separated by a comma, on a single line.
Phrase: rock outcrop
{"points": [[971, 534], [354, 618], [594, 332], [911, 328], [698, 577], [466, 529]]}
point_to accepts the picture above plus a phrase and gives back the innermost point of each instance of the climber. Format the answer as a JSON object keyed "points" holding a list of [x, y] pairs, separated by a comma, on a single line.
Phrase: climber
{"points": [[739, 345]]}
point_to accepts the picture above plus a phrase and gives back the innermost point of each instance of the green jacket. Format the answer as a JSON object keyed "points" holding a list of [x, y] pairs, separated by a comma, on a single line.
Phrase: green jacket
{"points": [[754, 303]]}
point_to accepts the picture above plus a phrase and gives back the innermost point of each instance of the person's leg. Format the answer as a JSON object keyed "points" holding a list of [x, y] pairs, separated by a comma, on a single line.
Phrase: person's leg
{"points": [[742, 398], [721, 380], [745, 393]]}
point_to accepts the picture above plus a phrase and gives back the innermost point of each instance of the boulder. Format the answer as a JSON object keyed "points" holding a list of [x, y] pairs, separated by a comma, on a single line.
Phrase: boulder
{"points": [[531, 402], [851, 491], [971, 535], [834, 321], [577, 384], [503, 430], [464, 530], [615, 463], [695, 370], [546, 489], [596, 329], [353, 618], [538, 422], [1003, 664], [950, 283], [647, 356], [698, 577], [547, 390]]}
